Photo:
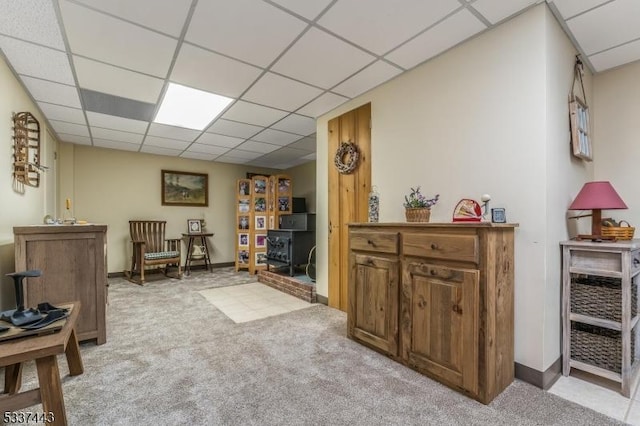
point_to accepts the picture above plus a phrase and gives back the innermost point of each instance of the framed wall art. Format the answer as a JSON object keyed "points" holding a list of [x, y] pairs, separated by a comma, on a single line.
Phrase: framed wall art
{"points": [[194, 226], [185, 189]]}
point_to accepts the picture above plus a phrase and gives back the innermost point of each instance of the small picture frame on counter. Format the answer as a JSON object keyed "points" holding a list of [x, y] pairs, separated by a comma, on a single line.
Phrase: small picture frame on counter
{"points": [[498, 215]]}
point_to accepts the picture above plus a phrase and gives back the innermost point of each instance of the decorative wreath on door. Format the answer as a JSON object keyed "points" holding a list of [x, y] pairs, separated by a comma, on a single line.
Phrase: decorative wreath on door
{"points": [[347, 156]]}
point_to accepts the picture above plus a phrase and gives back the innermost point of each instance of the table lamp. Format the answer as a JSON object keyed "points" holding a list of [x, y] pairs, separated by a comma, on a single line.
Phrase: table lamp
{"points": [[596, 196]]}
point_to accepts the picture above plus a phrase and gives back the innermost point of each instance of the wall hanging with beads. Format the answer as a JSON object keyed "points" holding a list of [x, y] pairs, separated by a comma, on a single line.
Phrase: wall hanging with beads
{"points": [[346, 159]]}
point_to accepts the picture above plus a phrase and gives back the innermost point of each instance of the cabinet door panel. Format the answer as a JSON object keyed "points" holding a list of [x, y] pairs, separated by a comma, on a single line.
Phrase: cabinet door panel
{"points": [[440, 322], [373, 302]]}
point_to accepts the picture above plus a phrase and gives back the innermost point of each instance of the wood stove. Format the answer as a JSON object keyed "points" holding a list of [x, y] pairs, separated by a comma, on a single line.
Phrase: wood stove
{"points": [[290, 245]]}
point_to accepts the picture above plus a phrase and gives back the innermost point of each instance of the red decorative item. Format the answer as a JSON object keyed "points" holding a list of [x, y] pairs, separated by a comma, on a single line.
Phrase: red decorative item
{"points": [[467, 210]]}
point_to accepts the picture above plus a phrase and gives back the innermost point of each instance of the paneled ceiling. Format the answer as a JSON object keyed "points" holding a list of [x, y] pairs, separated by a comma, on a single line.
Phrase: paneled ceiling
{"points": [[98, 69]]}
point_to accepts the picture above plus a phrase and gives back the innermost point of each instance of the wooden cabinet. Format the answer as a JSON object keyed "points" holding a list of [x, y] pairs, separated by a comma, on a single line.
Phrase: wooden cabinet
{"points": [[600, 309], [437, 298], [72, 259]]}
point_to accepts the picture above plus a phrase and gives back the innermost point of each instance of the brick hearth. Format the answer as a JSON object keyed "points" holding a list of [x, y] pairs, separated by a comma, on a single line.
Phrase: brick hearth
{"points": [[290, 285]]}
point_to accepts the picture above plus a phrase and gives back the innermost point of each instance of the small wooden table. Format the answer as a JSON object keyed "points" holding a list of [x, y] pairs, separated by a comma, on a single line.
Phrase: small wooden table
{"points": [[191, 237], [43, 349]]}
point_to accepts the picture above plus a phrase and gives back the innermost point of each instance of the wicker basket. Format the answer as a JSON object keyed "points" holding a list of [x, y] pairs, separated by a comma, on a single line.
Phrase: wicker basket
{"points": [[601, 297], [601, 347], [417, 214], [619, 232]]}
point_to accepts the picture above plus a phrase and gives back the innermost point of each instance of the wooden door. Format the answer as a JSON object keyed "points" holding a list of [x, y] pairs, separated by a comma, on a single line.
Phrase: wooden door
{"points": [[373, 302], [440, 322], [348, 196]]}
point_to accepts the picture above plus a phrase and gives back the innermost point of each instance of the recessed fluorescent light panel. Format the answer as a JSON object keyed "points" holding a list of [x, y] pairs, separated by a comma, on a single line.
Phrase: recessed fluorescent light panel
{"points": [[191, 108]]}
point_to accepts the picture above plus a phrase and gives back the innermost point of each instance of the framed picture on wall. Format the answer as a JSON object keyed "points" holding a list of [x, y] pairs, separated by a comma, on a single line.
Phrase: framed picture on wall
{"points": [[261, 241], [184, 189], [243, 240], [261, 222], [261, 259]]}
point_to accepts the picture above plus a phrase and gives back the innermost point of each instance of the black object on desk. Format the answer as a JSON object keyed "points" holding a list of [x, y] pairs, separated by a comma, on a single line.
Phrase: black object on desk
{"points": [[191, 238], [21, 316]]}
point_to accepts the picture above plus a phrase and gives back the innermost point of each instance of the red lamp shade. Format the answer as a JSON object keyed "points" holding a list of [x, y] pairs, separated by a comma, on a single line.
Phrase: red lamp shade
{"points": [[597, 196]]}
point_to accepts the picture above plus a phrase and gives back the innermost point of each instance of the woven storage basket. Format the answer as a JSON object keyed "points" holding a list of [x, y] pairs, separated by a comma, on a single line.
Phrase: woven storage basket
{"points": [[601, 297], [598, 346], [619, 232], [419, 214]]}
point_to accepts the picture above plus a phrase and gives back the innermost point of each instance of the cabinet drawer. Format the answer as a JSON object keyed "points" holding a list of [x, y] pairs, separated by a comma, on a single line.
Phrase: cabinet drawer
{"points": [[463, 248], [596, 262], [635, 262], [380, 242]]}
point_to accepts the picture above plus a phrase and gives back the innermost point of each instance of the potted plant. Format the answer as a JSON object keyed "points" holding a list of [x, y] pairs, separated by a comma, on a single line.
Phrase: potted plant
{"points": [[417, 206]]}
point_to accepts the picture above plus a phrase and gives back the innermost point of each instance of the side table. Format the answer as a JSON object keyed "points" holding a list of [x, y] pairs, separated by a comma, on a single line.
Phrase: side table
{"points": [[43, 349], [191, 239]]}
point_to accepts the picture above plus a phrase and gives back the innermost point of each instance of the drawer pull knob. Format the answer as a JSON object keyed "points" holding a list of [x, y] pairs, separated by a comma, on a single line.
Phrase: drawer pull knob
{"points": [[371, 243], [433, 272], [434, 246]]}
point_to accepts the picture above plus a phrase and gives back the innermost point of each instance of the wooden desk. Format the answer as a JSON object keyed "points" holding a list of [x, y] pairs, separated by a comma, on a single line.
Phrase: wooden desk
{"points": [[43, 349], [191, 237]]}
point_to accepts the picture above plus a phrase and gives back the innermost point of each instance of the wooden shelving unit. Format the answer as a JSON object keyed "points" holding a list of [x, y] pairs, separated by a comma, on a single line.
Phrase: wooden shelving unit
{"points": [[260, 201]]}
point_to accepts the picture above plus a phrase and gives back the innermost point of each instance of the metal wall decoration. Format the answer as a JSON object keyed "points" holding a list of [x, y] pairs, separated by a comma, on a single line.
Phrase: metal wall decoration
{"points": [[26, 150]]}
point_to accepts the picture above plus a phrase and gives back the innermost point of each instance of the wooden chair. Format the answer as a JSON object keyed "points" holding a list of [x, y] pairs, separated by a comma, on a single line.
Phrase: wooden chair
{"points": [[151, 248]]}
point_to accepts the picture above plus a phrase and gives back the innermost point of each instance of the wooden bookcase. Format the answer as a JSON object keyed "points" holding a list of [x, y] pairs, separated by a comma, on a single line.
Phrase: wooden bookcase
{"points": [[260, 201]]}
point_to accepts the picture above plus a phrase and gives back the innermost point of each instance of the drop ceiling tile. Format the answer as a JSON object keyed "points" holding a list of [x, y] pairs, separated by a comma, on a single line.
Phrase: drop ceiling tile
{"points": [[614, 57], [113, 122], [305, 144], [233, 128], [323, 104], [116, 81], [231, 78], [231, 160], [168, 15], [306, 9], [219, 140], [437, 39], [617, 23], [249, 113], [32, 20], [372, 76], [98, 36], [207, 149], [261, 147], [70, 128], [80, 140], [304, 62], [298, 124], [497, 10], [310, 157], [172, 132], [382, 25], [54, 93], [124, 146], [280, 92], [116, 135], [198, 156], [166, 143], [62, 113], [150, 149], [284, 154], [569, 8], [276, 137], [247, 155], [37, 61], [226, 27]]}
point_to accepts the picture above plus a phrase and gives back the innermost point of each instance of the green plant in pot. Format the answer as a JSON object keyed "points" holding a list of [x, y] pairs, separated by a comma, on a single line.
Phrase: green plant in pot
{"points": [[417, 206]]}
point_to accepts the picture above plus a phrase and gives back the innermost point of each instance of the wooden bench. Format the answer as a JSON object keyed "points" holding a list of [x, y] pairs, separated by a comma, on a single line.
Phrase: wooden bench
{"points": [[151, 248]]}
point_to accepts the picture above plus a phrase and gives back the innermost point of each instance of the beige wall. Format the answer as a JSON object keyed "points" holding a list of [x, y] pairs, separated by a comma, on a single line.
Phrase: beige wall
{"points": [[304, 183], [113, 187], [616, 109], [489, 116], [18, 208]]}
